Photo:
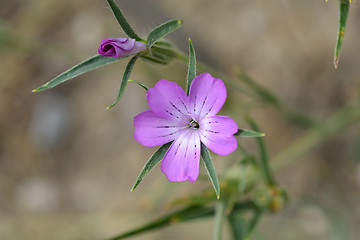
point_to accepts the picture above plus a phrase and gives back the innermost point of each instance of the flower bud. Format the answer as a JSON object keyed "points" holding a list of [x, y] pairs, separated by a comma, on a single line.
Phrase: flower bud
{"points": [[120, 47]]}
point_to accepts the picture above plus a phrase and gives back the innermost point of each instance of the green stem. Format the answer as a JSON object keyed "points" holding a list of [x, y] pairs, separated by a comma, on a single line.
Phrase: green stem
{"points": [[267, 173], [219, 217], [314, 137]]}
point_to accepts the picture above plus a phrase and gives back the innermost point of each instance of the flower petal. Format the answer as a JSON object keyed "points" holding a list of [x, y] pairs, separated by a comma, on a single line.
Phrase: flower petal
{"points": [[139, 47], [124, 44], [168, 100], [152, 130], [217, 133], [207, 96], [181, 162], [120, 47]]}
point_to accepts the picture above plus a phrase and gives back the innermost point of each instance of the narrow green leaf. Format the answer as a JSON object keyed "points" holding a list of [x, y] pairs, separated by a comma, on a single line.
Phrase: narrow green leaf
{"points": [[248, 133], [253, 222], [219, 216], [182, 215], [122, 21], [210, 169], [186, 214], [265, 166], [83, 67], [140, 84], [163, 30], [125, 79], [192, 66], [237, 225], [153, 160], [343, 13]]}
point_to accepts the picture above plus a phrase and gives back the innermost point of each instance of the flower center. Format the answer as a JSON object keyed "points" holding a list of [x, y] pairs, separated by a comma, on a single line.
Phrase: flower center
{"points": [[193, 124]]}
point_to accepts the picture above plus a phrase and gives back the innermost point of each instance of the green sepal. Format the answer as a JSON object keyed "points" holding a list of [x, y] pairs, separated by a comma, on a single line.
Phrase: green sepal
{"points": [[160, 54], [191, 67], [153, 160], [343, 13], [124, 81], [248, 133], [210, 169], [163, 30], [122, 21], [151, 59], [163, 44], [83, 67]]}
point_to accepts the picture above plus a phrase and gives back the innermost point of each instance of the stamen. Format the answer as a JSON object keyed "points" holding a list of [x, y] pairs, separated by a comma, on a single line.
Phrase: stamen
{"points": [[193, 124]]}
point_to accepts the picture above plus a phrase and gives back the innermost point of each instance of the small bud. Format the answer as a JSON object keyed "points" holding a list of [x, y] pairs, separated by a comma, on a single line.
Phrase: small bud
{"points": [[120, 47]]}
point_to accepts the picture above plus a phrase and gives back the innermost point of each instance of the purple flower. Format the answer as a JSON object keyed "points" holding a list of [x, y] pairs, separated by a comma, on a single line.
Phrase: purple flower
{"points": [[120, 47], [187, 121]]}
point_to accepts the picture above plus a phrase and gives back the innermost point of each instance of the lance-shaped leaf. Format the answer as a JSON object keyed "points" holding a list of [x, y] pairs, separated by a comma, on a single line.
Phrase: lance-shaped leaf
{"points": [[254, 222], [186, 214], [242, 228], [153, 160], [219, 217], [183, 215], [210, 169], [125, 79], [343, 13], [163, 30], [248, 133], [122, 21], [86, 66], [192, 66], [237, 225]]}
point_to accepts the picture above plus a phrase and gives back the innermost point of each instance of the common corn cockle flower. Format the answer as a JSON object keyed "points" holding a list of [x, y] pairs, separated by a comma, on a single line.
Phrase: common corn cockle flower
{"points": [[120, 47], [187, 121]]}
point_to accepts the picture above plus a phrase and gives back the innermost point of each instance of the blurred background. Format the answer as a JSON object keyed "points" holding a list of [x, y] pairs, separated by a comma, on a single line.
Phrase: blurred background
{"points": [[67, 164]]}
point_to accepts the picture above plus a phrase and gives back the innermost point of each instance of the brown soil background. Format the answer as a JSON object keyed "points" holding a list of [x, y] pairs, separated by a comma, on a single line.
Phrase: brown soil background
{"points": [[67, 164]]}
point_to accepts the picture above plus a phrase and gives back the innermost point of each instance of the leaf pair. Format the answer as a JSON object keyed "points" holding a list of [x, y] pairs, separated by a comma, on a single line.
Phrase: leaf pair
{"points": [[98, 61]]}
